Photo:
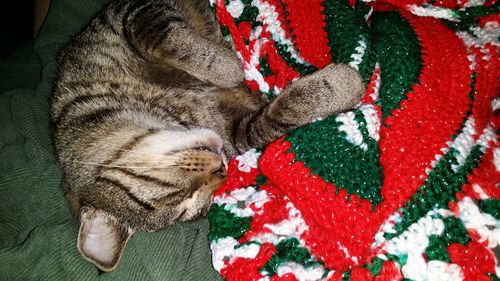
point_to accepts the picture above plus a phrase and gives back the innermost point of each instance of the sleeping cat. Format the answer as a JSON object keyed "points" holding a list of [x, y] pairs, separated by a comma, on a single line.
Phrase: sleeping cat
{"points": [[148, 106]]}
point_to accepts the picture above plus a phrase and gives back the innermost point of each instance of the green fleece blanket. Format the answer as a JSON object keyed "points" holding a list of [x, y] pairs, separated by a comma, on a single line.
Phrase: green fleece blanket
{"points": [[37, 233]]}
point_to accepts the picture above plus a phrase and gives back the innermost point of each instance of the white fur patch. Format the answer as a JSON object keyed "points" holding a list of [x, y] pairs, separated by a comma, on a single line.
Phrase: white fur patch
{"points": [[168, 141]]}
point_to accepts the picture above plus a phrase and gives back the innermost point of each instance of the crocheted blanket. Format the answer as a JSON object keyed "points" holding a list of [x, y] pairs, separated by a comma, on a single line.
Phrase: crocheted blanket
{"points": [[405, 185]]}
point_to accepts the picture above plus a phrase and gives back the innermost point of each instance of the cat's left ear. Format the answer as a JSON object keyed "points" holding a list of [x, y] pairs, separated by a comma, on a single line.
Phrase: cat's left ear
{"points": [[102, 238]]}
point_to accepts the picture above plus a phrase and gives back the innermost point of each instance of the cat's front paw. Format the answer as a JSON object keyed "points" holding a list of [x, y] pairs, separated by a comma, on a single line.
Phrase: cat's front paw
{"points": [[333, 89], [328, 91], [227, 71]]}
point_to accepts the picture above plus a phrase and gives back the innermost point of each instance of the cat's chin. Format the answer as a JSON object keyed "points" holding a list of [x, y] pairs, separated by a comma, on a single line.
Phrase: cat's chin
{"points": [[192, 215]]}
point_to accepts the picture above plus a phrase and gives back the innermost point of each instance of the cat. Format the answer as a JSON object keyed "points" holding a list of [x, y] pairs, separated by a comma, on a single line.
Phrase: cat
{"points": [[147, 108]]}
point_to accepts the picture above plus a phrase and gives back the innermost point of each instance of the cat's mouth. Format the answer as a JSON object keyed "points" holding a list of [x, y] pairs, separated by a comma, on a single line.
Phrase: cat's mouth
{"points": [[221, 172]]}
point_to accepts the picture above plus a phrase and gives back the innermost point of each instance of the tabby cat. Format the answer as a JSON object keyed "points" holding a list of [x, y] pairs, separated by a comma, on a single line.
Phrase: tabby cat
{"points": [[149, 103]]}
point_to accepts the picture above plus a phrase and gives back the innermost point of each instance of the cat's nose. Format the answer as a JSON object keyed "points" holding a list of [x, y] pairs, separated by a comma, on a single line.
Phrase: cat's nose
{"points": [[221, 172]]}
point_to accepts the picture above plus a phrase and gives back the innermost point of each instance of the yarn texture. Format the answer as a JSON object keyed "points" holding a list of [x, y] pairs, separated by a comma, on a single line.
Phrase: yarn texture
{"points": [[405, 186]]}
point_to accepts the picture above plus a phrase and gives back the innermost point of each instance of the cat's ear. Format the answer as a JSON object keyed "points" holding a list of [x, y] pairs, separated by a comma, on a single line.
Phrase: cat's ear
{"points": [[102, 238]]}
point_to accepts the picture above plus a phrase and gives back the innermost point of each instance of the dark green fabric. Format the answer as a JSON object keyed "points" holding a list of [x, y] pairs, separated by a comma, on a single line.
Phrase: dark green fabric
{"points": [[37, 233], [21, 69]]}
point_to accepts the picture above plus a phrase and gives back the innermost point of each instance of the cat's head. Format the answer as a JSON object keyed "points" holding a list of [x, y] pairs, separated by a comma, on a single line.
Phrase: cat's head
{"points": [[155, 179]]}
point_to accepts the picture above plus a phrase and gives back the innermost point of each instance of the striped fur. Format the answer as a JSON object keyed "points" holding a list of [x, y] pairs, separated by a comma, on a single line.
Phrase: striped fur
{"points": [[148, 105]]}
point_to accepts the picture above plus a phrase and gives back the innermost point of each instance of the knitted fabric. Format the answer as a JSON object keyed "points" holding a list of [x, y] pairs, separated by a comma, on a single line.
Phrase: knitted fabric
{"points": [[405, 185]]}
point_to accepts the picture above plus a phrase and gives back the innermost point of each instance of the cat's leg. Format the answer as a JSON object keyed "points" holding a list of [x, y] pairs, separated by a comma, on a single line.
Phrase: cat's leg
{"points": [[331, 90], [161, 33]]}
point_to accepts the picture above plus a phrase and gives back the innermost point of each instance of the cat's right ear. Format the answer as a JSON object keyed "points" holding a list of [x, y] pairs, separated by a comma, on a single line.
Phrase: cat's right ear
{"points": [[102, 238]]}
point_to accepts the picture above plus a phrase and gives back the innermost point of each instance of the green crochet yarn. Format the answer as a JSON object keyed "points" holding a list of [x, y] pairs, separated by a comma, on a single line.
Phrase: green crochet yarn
{"points": [[437, 249], [491, 206], [303, 69], [346, 27], [455, 231], [224, 223], [325, 150], [399, 56], [289, 250]]}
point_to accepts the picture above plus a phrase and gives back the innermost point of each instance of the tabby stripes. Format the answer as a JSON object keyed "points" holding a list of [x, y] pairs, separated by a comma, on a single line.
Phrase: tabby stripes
{"points": [[125, 189]]}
